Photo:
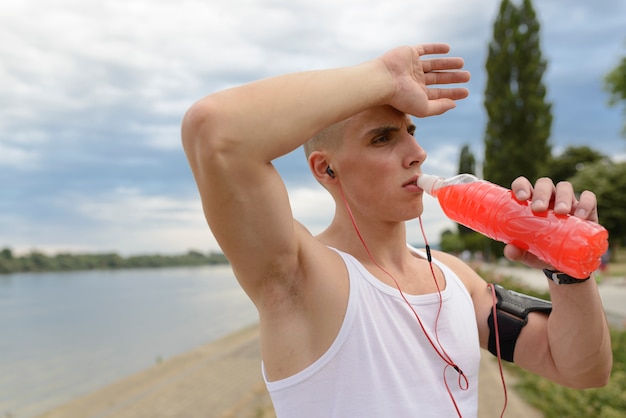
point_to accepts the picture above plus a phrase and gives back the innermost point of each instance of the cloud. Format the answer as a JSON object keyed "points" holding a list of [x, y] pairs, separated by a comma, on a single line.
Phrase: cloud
{"points": [[93, 94], [18, 158], [313, 207], [126, 220]]}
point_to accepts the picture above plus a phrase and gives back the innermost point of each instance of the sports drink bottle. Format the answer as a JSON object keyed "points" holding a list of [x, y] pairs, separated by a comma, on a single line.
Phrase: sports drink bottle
{"points": [[570, 244]]}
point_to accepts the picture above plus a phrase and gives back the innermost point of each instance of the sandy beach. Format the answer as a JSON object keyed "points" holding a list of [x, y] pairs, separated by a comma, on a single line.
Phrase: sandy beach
{"points": [[223, 380]]}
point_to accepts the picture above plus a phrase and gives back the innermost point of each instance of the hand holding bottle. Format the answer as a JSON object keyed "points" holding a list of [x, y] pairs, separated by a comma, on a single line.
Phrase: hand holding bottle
{"points": [[560, 198], [563, 235]]}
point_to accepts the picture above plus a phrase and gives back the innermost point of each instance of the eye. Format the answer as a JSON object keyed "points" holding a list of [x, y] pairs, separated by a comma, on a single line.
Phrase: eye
{"points": [[380, 139]]}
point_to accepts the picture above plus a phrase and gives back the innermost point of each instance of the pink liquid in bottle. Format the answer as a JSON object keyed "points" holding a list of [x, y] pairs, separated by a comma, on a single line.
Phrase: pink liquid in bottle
{"points": [[571, 245]]}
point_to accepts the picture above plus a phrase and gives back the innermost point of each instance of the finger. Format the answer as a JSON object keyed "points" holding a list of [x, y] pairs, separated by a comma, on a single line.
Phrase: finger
{"points": [[516, 254], [426, 49], [448, 77], [587, 206], [522, 189], [543, 193], [437, 107], [438, 64], [564, 197], [451, 93]]}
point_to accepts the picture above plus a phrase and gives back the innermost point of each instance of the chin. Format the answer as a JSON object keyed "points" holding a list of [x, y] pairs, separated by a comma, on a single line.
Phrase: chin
{"points": [[414, 213], [417, 209]]}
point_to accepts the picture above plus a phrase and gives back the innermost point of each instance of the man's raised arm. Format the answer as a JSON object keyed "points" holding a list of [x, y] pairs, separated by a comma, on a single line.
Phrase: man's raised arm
{"points": [[231, 138]]}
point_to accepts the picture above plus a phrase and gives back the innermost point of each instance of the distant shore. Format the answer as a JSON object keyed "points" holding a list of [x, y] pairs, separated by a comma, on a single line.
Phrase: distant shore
{"points": [[37, 261]]}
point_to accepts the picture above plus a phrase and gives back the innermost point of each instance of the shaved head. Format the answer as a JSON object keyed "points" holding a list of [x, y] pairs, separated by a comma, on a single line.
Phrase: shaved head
{"points": [[329, 138]]}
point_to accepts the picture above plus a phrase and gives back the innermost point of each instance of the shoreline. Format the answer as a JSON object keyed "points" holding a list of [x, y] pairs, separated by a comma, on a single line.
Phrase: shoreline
{"points": [[214, 380], [222, 379]]}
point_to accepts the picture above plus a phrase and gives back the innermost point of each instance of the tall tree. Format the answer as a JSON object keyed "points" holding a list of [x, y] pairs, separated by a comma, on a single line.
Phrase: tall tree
{"points": [[615, 84], [519, 117], [467, 164], [467, 161]]}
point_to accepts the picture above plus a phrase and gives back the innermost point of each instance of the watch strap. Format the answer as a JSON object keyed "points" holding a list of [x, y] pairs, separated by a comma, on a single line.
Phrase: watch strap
{"points": [[562, 278]]}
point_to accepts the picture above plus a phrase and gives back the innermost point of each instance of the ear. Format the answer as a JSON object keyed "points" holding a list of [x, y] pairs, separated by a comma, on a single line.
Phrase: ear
{"points": [[319, 163]]}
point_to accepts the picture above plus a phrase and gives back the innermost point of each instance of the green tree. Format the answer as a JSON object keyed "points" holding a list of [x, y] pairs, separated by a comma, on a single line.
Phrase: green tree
{"points": [[7, 262], [608, 181], [467, 161], [573, 159], [615, 85], [6, 253], [519, 117], [451, 242], [34, 261], [38, 261]]}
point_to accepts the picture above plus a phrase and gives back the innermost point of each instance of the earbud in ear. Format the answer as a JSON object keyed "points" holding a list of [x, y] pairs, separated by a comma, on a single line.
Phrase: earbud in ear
{"points": [[330, 172]]}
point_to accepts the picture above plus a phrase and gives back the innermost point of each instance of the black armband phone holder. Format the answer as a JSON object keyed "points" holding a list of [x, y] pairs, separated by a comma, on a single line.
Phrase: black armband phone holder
{"points": [[512, 311]]}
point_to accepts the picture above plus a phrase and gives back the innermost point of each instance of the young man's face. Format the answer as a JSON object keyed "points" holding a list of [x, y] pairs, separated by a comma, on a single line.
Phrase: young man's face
{"points": [[378, 163]]}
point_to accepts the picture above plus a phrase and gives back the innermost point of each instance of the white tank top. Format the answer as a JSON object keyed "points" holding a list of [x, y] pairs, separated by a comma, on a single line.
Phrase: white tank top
{"points": [[381, 364]]}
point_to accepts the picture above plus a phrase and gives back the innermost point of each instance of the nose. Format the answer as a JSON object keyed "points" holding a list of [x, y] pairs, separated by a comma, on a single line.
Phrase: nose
{"points": [[415, 154]]}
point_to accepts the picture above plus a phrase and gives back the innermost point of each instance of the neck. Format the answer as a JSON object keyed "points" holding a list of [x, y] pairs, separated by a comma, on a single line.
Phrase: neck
{"points": [[385, 241]]}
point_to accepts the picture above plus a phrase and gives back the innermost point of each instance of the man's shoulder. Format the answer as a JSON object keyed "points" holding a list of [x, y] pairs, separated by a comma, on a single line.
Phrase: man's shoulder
{"points": [[468, 276]]}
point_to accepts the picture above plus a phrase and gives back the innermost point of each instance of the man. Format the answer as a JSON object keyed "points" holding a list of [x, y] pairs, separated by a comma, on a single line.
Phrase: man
{"points": [[353, 322]]}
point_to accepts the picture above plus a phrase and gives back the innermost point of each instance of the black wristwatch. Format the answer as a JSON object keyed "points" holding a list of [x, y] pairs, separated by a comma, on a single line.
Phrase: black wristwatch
{"points": [[562, 278]]}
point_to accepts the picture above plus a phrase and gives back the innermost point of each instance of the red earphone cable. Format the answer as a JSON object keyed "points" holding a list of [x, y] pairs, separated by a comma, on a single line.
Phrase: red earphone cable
{"points": [[497, 335], [463, 381]]}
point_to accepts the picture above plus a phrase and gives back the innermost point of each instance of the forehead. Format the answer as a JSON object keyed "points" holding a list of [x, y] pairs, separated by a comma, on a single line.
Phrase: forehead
{"points": [[361, 124]]}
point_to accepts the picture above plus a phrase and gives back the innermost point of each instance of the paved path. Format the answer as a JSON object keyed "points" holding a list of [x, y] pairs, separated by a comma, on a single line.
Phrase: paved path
{"points": [[222, 380]]}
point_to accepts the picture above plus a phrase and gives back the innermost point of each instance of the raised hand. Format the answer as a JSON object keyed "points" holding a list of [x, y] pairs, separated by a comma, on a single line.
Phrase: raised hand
{"points": [[413, 76]]}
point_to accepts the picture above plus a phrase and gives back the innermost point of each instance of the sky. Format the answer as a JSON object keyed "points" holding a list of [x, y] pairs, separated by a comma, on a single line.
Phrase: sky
{"points": [[92, 94]]}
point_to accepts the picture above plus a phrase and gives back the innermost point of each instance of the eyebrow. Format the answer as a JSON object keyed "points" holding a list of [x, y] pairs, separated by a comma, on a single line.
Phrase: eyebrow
{"points": [[381, 130]]}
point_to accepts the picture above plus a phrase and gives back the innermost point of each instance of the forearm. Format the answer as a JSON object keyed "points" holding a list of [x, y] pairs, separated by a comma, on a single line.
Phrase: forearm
{"points": [[578, 334], [271, 117]]}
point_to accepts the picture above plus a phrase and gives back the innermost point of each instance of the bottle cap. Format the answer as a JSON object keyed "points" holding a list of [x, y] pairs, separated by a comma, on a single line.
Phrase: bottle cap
{"points": [[426, 182]]}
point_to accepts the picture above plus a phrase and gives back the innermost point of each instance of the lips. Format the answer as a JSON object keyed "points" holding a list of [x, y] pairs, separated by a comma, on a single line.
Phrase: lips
{"points": [[412, 182]]}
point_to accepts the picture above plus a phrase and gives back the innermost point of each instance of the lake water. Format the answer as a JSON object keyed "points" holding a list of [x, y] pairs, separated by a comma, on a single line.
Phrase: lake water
{"points": [[66, 334]]}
